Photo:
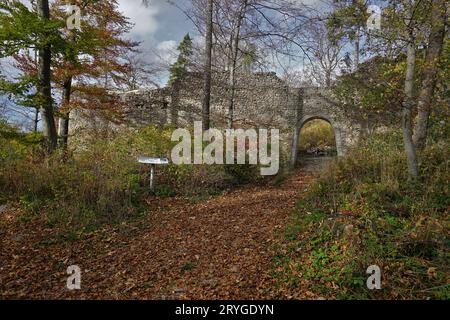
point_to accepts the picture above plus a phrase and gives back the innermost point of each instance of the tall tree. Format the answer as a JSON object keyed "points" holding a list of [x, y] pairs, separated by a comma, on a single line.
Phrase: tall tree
{"points": [[208, 64], [244, 29], [235, 39], [179, 68], [88, 56], [408, 101], [348, 21], [44, 82], [99, 51], [81, 59], [438, 19], [325, 52]]}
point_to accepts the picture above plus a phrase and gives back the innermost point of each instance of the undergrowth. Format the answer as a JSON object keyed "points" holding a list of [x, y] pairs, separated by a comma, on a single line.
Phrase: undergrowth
{"points": [[99, 180], [363, 212]]}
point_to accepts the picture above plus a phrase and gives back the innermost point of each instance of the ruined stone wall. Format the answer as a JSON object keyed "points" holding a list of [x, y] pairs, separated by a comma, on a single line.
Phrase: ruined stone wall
{"points": [[262, 100], [147, 107]]}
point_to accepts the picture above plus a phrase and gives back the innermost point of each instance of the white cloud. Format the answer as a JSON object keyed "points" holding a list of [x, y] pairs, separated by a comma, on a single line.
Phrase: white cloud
{"points": [[168, 45], [167, 50], [144, 18]]}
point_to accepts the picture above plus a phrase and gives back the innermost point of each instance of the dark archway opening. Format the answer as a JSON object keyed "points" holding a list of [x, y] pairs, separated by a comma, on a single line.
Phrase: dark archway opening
{"points": [[317, 143]]}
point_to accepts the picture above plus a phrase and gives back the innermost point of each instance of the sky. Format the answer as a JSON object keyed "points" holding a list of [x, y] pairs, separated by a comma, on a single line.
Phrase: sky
{"points": [[160, 26]]}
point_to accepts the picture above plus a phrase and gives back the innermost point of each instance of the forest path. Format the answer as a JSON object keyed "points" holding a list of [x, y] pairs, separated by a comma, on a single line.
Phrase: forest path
{"points": [[220, 248]]}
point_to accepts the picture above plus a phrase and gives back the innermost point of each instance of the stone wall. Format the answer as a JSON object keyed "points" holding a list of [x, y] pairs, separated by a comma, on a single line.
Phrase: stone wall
{"points": [[262, 100]]}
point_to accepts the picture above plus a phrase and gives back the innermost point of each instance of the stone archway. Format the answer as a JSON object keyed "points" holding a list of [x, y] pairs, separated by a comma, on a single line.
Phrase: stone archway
{"points": [[307, 118], [316, 104], [334, 126]]}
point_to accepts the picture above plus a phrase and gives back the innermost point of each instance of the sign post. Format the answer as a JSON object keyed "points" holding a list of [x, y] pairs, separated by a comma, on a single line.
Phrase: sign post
{"points": [[153, 162]]}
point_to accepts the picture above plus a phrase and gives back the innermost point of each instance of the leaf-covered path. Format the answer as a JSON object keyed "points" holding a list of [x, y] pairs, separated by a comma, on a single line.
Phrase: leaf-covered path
{"points": [[219, 248]]}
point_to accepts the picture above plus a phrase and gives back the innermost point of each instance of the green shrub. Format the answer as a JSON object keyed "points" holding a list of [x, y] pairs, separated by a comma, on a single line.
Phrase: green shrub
{"points": [[243, 173], [97, 182]]}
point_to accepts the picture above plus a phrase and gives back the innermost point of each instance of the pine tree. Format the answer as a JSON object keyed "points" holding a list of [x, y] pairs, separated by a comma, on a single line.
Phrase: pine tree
{"points": [[179, 68]]}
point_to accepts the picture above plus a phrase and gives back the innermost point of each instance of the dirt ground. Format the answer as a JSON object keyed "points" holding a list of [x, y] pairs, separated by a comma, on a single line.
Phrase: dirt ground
{"points": [[220, 248]]}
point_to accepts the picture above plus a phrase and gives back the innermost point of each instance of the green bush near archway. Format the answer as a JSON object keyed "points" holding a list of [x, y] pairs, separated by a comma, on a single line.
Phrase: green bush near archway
{"points": [[318, 135]]}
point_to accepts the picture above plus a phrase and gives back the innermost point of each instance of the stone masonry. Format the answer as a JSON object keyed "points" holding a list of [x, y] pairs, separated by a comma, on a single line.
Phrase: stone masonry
{"points": [[262, 100]]}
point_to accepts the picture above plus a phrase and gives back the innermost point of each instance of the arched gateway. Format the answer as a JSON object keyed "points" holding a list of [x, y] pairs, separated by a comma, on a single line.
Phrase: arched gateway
{"points": [[262, 100], [316, 103]]}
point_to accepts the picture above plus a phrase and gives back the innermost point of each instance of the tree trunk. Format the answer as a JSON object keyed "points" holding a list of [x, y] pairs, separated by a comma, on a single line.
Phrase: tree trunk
{"points": [[436, 41], [233, 63], [36, 112], [328, 78], [175, 103], [297, 129], [232, 90], [357, 49], [207, 72], [36, 120], [63, 126], [407, 109], [44, 85]]}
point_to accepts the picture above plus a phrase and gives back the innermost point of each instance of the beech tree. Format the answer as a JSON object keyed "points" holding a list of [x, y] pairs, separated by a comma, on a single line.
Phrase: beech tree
{"points": [[21, 29], [415, 31], [409, 29], [438, 17], [44, 81], [91, 62], [208, 66], [408, 101], [97, 61]]}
